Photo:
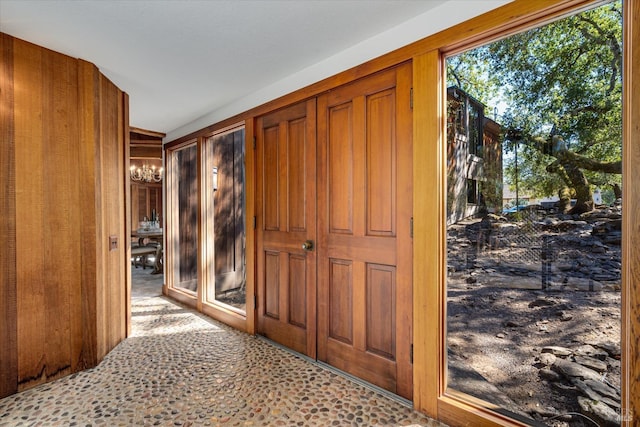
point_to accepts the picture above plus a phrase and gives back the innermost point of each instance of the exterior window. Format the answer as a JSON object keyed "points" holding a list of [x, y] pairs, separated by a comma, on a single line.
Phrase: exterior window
{"points": [[474, 127], [533, 291], [472, 191], [224, 220], [183, 219]]}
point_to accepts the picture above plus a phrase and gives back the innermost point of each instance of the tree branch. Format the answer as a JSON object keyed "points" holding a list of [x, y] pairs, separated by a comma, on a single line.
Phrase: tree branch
{"points": [[587, 163]]}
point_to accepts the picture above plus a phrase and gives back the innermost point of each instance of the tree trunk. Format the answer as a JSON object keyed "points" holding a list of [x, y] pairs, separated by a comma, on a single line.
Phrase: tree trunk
{"points": [[617, 191], [573, 165], [564, 204]]}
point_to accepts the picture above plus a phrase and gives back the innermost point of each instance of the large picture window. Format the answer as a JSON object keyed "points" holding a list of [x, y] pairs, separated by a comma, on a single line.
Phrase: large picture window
{"points": [[533, 292]]}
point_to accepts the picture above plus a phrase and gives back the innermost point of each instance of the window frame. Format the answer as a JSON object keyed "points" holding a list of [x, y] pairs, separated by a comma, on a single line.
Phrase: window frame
{"points": [[430, 143]]}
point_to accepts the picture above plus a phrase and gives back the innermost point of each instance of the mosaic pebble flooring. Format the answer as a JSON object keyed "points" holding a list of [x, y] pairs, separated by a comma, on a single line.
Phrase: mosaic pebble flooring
{"points": [[180, 368]]}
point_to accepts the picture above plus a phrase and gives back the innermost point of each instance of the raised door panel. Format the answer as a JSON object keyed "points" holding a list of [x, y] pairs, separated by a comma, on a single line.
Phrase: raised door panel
{"points": [[340, 157], [381, 180], [381, 306], [340, 300]]}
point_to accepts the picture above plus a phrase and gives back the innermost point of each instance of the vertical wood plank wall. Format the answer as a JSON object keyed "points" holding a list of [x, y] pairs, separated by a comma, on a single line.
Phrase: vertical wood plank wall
{"points": [[62, 292], [8, 307]]}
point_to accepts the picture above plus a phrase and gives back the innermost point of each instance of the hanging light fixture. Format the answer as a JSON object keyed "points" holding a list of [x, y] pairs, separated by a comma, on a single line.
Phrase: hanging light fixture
{"points": [[146, 173]]}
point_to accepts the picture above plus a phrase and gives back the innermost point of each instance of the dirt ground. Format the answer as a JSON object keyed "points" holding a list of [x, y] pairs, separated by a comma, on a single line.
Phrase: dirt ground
{"points": [[501, 321], [500, 334]]}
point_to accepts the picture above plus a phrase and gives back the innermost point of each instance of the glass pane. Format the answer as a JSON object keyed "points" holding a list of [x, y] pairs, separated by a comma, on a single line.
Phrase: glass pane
{"points": [[225, 220], [534, 151], [185, 255]]}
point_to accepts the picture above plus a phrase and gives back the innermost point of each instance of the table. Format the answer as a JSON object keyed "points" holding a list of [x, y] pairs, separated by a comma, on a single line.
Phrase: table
{"points": [[156, 236]]}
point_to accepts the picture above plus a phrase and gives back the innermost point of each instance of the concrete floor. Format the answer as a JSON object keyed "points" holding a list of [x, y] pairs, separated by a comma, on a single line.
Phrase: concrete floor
{"points": [[180, 368]]}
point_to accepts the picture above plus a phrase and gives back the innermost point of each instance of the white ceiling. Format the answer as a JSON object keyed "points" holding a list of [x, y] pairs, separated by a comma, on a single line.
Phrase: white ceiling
{"points": [[188, 63]]}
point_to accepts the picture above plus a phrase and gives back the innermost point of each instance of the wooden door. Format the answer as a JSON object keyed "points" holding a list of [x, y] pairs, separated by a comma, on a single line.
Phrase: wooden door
{"points": [[286, 207], [364, 226]]}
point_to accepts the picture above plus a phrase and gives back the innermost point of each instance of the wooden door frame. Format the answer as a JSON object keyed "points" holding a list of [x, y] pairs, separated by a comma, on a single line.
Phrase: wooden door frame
{"points": [[430, 229]]}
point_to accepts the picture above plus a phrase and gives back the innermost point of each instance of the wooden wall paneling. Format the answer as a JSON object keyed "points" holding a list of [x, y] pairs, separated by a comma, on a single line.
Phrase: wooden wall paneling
{"points": [[428, 229], [60, 230], [8, 291], [200, 243], [135, 202], [405, 261], [91, 207], [152, 152], [631, 218], [31, 279], [250, 212], [112, 131], [51, 276], [128, 226]]}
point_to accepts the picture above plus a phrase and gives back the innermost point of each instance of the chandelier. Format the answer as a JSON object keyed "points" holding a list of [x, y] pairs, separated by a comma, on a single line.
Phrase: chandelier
{"points": [[146, 174]]}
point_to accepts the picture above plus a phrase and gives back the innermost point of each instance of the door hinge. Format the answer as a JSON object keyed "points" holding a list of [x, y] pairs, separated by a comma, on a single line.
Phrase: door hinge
{"points": [[411, 98], [411, 353], [255, 222], [255, 142], [255, 302], [411, 227]]}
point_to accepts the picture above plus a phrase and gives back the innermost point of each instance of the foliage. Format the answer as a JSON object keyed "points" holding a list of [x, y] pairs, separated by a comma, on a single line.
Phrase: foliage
{"points": [[562, 79]]}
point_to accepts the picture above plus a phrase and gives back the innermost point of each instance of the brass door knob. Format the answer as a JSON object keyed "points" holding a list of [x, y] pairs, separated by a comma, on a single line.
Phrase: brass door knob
{"points": [[308, 245]]}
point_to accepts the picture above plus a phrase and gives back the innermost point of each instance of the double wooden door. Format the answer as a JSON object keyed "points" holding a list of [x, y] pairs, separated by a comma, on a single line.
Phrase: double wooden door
{"points": [[334, 245]]}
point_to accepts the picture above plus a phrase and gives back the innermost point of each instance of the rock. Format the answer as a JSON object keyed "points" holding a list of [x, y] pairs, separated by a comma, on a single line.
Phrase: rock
{"points": [[593, 395], [584, 388], [599, 410], [564, 316], [613, 363], [613, 238], [603, 389], [582, 284], [606, 277], [613, 349], [510, 282], [546, 412], [541, 302], [575, 370], [606, 391], [547, 359], [550, 375], [590, 362], [589, 350], [557, 351]]}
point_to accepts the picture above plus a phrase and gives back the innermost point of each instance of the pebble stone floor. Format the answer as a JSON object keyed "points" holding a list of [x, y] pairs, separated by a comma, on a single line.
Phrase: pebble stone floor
{"points": [[179, 368]]}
